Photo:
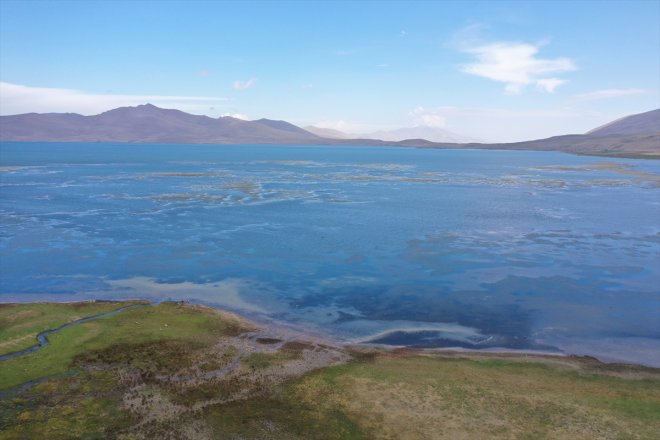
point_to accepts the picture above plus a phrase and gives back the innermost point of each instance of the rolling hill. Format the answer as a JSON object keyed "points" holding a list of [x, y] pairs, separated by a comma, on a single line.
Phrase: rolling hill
{"points": [[648, 122]]}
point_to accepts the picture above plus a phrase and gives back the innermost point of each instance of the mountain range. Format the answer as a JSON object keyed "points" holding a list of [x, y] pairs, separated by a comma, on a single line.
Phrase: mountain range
{"points": [[433, 134], [148, 124], [635, 135], [648, 122], [328, 132]]}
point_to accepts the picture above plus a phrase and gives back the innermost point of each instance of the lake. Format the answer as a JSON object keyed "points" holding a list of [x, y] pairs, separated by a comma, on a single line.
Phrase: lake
{"points": [[399, 246]]}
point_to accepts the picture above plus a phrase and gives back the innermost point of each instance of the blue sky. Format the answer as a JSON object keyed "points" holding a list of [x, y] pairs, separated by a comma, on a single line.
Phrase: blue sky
{"points": [[498, 71]]}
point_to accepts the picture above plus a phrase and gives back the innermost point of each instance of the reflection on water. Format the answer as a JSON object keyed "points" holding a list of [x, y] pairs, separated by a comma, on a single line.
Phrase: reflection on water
{"points": [[426, 248]]}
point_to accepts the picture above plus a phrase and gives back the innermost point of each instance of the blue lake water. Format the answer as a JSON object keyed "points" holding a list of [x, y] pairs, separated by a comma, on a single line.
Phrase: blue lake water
{"points": [[426, 248]]}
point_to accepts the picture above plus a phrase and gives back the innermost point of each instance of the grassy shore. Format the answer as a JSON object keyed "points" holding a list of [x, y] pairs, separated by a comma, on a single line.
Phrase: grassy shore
{"points": [[180, 371], [624, 155], [20, 323]]}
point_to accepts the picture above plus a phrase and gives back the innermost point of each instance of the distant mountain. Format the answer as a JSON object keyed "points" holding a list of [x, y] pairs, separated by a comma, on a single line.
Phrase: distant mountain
{"points": [[283, 126], [148, 123], [433, 134], [633, 136], [632, 145], [641, 123], [327, 132]]}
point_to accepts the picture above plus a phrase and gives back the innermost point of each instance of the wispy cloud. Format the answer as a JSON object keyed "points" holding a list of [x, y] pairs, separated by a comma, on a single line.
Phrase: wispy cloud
{"points": [[204, 73], [15, 99], [448, 111], [237, 116], [517, 65], [428, 117], [610, 93], [242, 85], [347, 127], [506, 125]]}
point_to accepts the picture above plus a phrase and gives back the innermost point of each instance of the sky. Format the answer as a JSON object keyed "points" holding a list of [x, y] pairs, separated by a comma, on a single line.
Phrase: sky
{"points": [[496, 71]]}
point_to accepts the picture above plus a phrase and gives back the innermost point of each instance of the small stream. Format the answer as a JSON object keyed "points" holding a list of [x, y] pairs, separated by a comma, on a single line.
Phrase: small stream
{"points": [[42, 338]]}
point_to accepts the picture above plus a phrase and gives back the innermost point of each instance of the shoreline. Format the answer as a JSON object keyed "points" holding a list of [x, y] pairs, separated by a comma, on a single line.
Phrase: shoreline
{"points": [[188, 371], [410, 144], [268, 327]]}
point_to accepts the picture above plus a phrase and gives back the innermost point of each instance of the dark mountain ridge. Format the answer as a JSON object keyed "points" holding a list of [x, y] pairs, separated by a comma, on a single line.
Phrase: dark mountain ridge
{"points": [[632, 136], [647, 122], [147, 124]]}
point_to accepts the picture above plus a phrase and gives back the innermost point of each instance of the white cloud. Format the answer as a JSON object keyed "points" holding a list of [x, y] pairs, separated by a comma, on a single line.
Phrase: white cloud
{"points": [[204, 73], [610, 93], [237, 116], [16, 99], [494, 124], [549, 84], [347, 127], [242, 85], [448, 111], [428, 117], [517, 66], [308, 86]]}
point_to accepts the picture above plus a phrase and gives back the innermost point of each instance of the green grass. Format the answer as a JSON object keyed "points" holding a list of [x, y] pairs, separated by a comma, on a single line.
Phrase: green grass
{"points": [[90, 370], [20, 323], [166, 321], [82, 406], [424, 397], [260, 361], [619, 154], [281, 417], [289, 351]]}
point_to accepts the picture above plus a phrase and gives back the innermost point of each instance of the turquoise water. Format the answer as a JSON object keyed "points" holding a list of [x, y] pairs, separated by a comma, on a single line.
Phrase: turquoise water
{"points": [[427, 248]]}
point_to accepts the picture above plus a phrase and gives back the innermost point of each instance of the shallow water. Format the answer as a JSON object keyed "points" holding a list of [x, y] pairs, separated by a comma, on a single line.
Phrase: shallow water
{"points": [[428, 248]]}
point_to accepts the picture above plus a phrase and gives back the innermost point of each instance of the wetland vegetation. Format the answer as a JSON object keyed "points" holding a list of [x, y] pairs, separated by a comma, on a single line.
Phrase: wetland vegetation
{"points": [[176, 370]]}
